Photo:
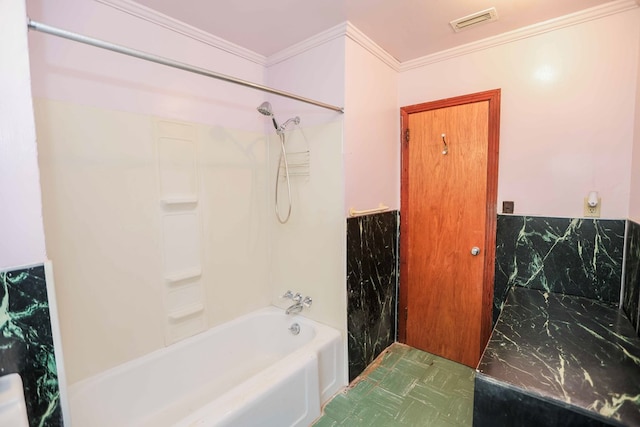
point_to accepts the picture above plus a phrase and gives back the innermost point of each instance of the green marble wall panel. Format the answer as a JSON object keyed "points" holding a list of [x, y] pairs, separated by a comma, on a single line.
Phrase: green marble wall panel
{"points": [[372, 282], [26, 343], [581, 257], [630, 301]]}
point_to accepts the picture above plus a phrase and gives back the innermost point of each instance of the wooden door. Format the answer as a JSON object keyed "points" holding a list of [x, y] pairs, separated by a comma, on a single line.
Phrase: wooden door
{"points": [[448, 225]]}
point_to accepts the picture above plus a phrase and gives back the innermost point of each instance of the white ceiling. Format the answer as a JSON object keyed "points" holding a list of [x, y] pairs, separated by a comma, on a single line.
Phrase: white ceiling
{"points": [[406, 29]]}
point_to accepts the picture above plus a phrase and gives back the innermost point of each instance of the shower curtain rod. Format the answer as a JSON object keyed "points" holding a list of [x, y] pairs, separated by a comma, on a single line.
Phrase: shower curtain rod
{"points": [[43, 28]]}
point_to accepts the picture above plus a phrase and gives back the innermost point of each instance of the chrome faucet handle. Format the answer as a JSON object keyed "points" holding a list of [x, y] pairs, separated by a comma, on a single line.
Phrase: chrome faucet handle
{"points": [[287, 295], [307, 301], [297, 297]]}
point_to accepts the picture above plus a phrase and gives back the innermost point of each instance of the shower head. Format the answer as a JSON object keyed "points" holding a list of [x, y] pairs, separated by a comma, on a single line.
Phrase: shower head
{"points": [[265, 109]]}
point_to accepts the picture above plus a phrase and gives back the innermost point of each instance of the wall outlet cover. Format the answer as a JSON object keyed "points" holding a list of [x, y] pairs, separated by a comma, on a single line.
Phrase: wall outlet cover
{"points": [[592, 211], [507, 207]]}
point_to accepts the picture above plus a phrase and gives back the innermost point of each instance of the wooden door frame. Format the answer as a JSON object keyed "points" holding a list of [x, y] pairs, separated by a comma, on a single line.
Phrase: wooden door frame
{"points": [[493, 96]]}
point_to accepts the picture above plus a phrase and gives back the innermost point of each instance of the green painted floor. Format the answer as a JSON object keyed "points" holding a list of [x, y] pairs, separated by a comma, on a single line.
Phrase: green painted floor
{"points": [[405, 387]]}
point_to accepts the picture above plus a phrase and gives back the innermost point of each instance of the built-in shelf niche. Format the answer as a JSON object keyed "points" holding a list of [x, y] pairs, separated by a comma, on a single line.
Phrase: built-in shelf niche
{"points": [[184, 296]]}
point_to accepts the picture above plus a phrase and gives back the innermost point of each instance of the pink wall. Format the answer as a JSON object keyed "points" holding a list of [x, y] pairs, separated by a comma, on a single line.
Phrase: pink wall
{"points": [[68, 71], [371, 147], [567, 119], [634, 203], [21, 230], [343, 72], [317, 73]]}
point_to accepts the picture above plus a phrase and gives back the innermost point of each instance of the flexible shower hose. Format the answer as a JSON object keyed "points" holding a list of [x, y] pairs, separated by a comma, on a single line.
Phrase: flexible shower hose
{"points": [[283, 156]]}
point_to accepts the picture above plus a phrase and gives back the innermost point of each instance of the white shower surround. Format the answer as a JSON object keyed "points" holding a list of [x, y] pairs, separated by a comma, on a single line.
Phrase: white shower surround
{"points": [[92, 80]]}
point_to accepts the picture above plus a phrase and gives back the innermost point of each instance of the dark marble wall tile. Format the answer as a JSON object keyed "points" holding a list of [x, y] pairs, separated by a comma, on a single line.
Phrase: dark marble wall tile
{"points": [[26, 343], [372, 282], [580, 257], [631, 295]]}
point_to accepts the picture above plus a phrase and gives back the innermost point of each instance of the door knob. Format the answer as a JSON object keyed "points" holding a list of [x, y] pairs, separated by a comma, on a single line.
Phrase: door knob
{"points": [[475, 250]]}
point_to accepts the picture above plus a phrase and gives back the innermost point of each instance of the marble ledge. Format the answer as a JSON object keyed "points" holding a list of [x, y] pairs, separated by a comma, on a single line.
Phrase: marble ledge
{"points": [[578, 352]]}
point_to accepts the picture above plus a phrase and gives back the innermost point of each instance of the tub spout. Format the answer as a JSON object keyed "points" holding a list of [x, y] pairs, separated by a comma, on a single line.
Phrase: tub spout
{"points": [[298, 305], [294, 308]]}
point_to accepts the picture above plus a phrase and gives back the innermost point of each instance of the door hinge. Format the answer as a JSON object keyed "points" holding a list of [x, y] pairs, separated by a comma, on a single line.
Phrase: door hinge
{"points": [[406, 135]]}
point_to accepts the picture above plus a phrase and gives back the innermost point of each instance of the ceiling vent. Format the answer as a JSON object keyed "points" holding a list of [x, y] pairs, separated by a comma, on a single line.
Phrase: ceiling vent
{"points": [[487, 15]]}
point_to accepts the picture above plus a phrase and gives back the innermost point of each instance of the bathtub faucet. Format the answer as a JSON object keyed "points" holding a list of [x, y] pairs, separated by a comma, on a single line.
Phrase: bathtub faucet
{"points": [[297, 307], [299, 302]]}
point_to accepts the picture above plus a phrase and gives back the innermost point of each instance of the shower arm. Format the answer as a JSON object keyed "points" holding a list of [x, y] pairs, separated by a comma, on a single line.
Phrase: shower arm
{"points": [[47, 29]]}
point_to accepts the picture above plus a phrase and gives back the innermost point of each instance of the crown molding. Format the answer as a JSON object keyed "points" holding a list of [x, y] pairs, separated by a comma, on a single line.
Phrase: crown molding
{"points": [[525, 32], [341, 30], [349, 30], [307, 44], [363, 40], [150, 15]]}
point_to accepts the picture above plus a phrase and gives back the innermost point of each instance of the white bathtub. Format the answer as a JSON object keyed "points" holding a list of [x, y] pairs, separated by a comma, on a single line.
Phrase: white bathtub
{"points": [[251, 371]]}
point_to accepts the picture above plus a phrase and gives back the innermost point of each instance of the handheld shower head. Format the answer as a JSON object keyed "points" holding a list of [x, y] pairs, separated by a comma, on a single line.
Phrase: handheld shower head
{"points": [[266, 110]]}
